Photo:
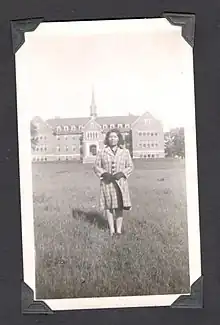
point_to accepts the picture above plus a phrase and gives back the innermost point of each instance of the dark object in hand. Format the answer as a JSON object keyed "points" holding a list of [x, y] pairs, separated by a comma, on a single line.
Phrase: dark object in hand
{"points": [[119, 175], [107, 177]]}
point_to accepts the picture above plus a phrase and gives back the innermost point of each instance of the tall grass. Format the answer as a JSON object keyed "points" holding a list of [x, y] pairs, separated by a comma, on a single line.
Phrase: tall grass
{"points": [[76, 257]]}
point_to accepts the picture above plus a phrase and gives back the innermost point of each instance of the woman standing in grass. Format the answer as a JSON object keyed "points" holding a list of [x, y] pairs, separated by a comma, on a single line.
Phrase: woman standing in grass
{"points": [[113, 166]]}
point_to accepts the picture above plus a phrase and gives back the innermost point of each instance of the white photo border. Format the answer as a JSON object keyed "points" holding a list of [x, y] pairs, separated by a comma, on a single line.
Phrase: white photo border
{"points": [[25, 163]]}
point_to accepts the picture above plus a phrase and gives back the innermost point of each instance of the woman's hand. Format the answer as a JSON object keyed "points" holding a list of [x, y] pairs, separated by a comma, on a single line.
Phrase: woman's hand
{"points": [[107, 177], [118, 176]]}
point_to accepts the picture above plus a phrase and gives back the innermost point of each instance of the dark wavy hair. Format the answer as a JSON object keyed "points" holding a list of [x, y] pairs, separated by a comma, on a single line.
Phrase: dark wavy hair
{"points": [[120, 138]]}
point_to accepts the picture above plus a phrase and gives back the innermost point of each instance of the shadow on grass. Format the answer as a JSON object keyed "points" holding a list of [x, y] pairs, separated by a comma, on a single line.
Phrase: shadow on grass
{"points": [[93, 217]]}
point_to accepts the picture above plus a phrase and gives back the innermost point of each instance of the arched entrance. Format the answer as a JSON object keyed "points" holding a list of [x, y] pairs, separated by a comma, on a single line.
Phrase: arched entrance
{"points": [[93, 149]]}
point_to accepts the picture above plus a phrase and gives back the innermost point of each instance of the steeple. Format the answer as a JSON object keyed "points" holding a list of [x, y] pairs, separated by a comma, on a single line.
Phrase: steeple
{"points": [[93, 112]]}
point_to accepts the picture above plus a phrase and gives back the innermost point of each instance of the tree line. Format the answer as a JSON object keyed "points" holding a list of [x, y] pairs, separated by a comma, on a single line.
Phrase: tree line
{"points": [[174, 142], [34, 134]]}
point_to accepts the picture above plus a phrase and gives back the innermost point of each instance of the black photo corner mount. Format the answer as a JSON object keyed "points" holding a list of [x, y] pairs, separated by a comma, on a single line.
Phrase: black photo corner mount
{"points": [[31, 306], [186, 21], [194, 300], [19, 28]]}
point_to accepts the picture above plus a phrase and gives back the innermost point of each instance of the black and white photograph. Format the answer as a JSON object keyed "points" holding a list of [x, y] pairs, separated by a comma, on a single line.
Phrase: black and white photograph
{"points": [[108, 163]]}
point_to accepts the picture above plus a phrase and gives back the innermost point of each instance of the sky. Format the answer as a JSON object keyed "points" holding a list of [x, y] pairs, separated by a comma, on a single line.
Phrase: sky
{"points": [[133, 66]]}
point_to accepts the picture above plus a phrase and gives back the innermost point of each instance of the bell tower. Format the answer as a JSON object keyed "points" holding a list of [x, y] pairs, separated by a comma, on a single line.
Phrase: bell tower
{"points": [[93, 108]]}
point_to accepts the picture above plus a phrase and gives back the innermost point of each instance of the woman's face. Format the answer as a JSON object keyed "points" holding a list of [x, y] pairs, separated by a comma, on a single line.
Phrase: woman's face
{"points": [[113, 139]]}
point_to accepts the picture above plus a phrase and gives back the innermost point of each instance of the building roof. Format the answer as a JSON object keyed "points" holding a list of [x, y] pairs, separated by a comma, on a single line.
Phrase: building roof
{"points": [[68, 121], [101, 120], [40, 123], [116, 119]]}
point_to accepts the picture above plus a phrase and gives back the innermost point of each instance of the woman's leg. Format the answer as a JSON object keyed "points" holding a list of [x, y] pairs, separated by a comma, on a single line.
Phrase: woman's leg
{"points": [[119, 220], [110, 219]]}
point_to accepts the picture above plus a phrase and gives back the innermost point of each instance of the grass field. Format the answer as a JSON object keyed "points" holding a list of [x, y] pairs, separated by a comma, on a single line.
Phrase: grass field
{"points": [[75, 257]]}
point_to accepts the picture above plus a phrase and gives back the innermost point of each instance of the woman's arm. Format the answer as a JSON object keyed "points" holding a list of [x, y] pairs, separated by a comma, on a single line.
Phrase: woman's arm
{"points": [[128, 165], [98, 165]]}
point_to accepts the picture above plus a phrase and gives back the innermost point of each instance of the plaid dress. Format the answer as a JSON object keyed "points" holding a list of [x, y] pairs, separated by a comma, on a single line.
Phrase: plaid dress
{"points": [[115, 194]]}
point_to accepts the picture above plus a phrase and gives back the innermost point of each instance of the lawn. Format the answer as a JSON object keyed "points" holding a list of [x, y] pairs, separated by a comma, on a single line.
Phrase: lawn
{"points": [[75, 256]]}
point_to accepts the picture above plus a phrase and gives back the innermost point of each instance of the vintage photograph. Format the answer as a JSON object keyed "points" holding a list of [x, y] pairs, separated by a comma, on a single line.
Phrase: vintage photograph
{"points": [[108, 165]]}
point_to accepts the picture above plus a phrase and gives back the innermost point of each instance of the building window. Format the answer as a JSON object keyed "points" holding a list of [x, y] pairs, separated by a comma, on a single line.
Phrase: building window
{"points": [[74, 147], [152, 134], [112, 126], [147, 121], [65, 137], [140, 145], [145, 156], [105, 126], [144, 145], [66, 128], [41, 137], [148, 156], [156, 133], [73, 128], [152, 145], [119, 126], [45, 148], [74, 138], [127, 126], [152, 156], [58, 128], [79, 127], [58, 137], [58, 148], [66, 148], [93, 135], [148, 134], [144, 133], [140, 133]]}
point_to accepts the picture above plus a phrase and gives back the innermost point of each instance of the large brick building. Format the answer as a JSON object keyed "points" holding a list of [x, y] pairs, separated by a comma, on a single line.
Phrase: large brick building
{"points": [[81, 138]]}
